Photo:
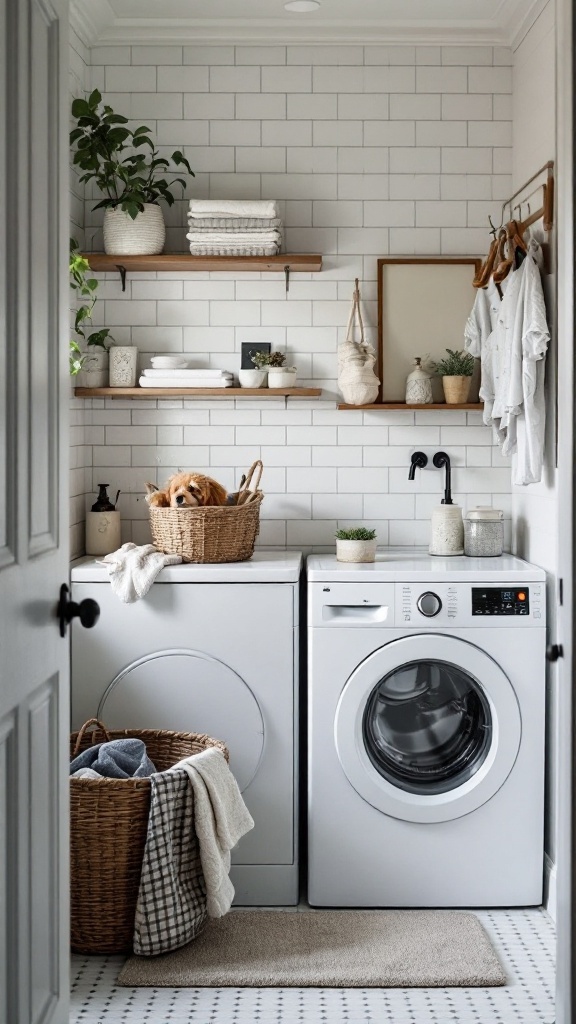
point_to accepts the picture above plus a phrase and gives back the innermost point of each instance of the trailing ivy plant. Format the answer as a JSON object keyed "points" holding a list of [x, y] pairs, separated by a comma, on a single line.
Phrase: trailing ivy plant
{"points": [[124, 164], [85, 289]]}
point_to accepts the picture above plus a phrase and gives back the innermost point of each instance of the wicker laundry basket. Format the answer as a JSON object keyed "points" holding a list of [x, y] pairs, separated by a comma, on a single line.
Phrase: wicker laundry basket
{"points": [[108, 825], [212, 533]]}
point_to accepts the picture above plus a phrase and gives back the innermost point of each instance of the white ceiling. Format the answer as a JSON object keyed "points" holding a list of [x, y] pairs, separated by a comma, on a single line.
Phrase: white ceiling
{"points": [[337, 21]]}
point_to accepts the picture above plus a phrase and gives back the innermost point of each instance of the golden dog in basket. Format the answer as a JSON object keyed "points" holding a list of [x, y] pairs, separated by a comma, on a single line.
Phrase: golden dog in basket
{"points": [[187, 490]]}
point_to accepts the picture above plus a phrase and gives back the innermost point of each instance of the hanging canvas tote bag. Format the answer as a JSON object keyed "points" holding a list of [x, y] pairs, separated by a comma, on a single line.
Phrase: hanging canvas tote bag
{"points": [[356, 378]]}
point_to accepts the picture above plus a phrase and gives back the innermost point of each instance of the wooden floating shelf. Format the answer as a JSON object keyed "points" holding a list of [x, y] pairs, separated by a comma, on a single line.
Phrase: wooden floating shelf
{"points": [[299, 262], [389, 406], [197, 392]]}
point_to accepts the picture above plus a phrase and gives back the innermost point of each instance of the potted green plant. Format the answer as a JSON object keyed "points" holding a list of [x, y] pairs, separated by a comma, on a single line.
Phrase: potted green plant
{"points": [[279, 375], [125, 166], [256, 377], [456, 370], [88, 351], [356, 545]]}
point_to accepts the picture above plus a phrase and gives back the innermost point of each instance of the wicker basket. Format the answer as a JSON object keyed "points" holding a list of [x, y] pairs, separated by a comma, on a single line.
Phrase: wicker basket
{"points": [[108, 825], [212, 533]]}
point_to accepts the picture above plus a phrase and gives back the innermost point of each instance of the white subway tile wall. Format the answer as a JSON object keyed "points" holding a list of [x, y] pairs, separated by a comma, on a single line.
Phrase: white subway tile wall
{"points": [[369, 151]]}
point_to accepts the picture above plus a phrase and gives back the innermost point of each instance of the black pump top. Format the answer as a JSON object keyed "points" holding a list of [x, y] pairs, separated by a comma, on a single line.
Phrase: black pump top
{"points": [[103, 503]]}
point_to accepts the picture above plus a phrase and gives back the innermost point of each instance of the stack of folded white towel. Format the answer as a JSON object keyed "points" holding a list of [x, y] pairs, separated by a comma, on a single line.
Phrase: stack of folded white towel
{"points": [[230, 227], [184, 378]]}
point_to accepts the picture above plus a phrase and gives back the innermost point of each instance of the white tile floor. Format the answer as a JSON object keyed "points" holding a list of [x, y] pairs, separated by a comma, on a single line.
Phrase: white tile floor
{"points": [[524, 940]]}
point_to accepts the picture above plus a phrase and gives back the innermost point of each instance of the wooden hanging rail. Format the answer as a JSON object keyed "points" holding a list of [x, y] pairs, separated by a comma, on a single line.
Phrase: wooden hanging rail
{"points": [[546, 210]]}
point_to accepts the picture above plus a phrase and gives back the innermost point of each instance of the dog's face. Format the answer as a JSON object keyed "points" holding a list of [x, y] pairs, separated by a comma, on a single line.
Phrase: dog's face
{"points": [[188, 490]]}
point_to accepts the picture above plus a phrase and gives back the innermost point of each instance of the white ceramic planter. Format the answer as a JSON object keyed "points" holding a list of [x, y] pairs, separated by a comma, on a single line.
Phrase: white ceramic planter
{"points": [[123, 366], [356, 550], [252, 378], [94, 372], [281, 376], [144, 236], [103, 532]]}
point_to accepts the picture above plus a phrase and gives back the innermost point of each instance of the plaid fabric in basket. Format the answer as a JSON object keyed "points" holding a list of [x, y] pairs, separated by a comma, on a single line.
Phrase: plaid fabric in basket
{"points": [[171, 907]]}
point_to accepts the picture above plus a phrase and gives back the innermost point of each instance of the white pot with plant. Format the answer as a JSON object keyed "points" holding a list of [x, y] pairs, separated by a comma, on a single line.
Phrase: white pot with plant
{"points": [[88, 352], [456, 370], [255, 377], [279, 375], [356, 545], [133, 220]]}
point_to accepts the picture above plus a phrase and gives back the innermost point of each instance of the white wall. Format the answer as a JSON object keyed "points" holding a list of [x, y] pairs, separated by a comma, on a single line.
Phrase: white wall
{"points": [[535, 511], [371, 151]]}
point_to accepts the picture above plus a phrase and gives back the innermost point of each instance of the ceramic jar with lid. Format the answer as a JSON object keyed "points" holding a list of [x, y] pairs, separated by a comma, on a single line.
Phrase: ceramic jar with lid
{"points": [[418, 385], [484, 532]]}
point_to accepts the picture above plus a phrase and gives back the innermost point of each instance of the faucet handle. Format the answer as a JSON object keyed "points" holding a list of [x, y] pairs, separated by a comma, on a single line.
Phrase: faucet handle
{"points": [[418, 461]]}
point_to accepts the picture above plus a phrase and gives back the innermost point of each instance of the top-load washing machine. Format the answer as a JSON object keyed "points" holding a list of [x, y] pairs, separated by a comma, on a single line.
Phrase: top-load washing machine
{"points": [[426, 731], [210, 649]]}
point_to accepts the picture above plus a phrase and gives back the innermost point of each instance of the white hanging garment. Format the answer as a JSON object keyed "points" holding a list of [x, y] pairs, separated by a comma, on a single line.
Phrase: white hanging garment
{"points": [[480, 343], [356, 378]]}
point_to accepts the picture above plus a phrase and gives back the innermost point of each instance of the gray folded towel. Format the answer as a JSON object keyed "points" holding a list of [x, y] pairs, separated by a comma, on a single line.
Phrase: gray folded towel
{"points": [[117, 759]]}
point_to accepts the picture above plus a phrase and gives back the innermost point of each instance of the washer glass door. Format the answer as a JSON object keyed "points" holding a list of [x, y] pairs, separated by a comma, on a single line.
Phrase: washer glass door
{"points": [[427, 728]]}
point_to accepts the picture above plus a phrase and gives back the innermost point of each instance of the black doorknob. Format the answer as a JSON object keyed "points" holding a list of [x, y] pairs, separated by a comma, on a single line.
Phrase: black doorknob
{"points": [[88, 610]]}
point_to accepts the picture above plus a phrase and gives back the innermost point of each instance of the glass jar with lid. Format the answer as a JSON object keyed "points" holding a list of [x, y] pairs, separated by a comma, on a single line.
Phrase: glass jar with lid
{"points": [[484, 532]]}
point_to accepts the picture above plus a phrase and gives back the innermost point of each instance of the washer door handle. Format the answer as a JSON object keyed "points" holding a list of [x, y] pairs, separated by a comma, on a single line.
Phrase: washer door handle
{"points": [[429, 604]]}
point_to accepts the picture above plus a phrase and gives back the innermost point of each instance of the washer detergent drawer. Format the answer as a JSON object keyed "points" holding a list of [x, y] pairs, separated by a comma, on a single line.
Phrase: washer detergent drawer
{"points": [[206, 658], [344, 605]]}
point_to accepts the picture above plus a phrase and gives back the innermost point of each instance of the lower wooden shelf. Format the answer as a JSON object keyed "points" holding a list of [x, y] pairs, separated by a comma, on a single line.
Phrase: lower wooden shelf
{"points": [[197, 392], [389, 406]]}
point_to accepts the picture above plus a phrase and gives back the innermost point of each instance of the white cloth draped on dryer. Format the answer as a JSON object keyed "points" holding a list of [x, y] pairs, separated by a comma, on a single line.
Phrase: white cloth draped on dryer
{"points": [[134, 567], [510, 336]]}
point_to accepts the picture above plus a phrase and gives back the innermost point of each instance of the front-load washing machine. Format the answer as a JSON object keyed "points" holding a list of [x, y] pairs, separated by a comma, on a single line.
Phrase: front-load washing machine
{"points": [[210, 649], [426, 731]]}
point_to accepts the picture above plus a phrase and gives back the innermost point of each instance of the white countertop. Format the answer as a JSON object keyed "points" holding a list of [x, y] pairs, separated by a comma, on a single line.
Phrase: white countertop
{"points": [[411, 565], [263, 567]]}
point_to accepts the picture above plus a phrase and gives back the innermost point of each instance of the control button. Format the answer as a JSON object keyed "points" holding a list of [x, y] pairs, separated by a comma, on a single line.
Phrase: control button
{"points": [[429, 604]]}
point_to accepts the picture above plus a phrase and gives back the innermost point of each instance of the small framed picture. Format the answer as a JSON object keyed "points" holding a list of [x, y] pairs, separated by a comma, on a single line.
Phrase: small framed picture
{"points": [[250, 347]]}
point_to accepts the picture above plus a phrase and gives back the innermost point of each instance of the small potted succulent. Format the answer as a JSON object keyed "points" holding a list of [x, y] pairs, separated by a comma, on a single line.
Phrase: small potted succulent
{"points": [[279, 375], [256, 377], [88, 352], [456, 370], [356, 545], [125, 166]]}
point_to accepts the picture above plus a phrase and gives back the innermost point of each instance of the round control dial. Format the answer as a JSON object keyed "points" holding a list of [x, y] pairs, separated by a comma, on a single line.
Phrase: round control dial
{"points": [[429, 604]]}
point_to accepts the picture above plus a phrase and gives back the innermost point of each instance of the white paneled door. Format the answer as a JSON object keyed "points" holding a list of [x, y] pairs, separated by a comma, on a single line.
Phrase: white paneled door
{"points": [[33, 526]]}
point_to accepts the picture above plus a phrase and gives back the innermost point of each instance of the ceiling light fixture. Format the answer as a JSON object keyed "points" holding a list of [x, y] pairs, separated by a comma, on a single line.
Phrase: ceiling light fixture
{"points": [[302, 6]]}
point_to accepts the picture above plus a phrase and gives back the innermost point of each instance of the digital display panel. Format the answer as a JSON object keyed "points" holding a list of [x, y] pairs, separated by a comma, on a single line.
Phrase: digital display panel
{"points": [[497, 601]]}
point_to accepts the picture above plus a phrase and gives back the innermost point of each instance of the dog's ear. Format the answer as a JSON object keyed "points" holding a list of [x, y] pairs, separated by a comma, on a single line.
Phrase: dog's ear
{"points": [[156, 498], [217, 494], [150, 488]]}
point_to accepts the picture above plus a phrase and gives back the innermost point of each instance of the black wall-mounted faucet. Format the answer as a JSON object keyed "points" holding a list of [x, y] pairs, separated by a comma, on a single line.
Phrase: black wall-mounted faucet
{"points": [[442, 459], [418, 460]]}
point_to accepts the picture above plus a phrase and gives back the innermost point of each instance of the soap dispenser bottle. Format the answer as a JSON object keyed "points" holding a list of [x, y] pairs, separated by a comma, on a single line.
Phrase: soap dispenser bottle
{"points": [[103, 529], [418, 385]]}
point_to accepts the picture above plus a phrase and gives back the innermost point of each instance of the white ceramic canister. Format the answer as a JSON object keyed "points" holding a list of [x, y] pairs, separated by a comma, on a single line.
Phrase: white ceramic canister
{"points": [[281, 376], [123, 366], [102, 532], [447, 533], [484, 532], [418, 385]]}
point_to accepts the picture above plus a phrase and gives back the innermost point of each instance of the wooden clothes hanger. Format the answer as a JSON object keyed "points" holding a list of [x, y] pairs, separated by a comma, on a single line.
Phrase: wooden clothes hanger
{"points": [[484, 273], [511, 241]]}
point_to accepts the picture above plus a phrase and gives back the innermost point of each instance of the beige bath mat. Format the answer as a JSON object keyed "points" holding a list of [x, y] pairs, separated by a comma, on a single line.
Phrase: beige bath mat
{"points": [[328, 949]]}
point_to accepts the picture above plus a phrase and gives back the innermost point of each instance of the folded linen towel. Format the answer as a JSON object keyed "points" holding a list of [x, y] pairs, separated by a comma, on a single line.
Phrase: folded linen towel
{"points": [[116, 759], [198, 249], [221, 818], [186, 382], [171, 904], [234, 224], [133, 568], [189, 374], [239, 238], [263, 208]]}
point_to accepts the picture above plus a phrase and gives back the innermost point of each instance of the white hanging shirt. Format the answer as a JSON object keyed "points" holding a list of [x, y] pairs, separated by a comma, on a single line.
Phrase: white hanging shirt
{"points": [[479, 341], [520, 342]]}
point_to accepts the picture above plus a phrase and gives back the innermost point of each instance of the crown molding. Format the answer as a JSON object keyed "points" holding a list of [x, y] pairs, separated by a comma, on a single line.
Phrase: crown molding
{"points": [[90, 19], [519, 17], [96, 24]]}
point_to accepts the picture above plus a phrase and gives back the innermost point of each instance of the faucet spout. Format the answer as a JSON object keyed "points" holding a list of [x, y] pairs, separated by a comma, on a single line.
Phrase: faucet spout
{"points": [[442, 459], [418, 461]]}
